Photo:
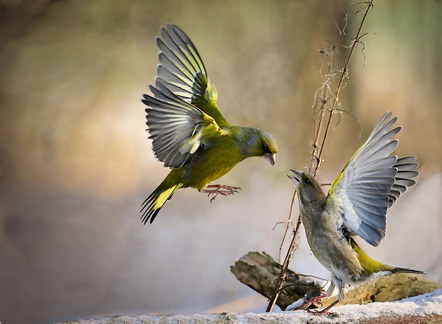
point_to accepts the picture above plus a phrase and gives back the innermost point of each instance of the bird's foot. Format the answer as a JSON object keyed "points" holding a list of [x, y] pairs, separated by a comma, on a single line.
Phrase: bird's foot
{"points": [[313, 300], [223, 190], [324, 311]]}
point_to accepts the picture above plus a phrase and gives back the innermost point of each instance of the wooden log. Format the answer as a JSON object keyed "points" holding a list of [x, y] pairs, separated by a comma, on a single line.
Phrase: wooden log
{"points": [[392, 287], [260, 272]]}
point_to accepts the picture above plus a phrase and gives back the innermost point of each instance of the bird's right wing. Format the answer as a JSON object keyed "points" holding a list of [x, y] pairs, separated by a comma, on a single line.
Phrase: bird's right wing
{"points": [[182, 71], [177, 128], [372, 181]]}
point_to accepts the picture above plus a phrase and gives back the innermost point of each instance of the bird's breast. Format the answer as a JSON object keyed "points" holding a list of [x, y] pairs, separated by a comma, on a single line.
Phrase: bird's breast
{"points": [[211, 163], [332, 250]]}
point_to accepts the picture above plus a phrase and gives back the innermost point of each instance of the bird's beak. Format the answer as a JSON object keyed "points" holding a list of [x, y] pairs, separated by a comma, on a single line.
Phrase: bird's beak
{"points": [[271, 158], [296, 177]]}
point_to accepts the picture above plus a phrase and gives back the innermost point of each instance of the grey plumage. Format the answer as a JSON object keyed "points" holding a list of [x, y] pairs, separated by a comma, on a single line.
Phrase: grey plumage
{"points": [[369, 178], [356, 204]]}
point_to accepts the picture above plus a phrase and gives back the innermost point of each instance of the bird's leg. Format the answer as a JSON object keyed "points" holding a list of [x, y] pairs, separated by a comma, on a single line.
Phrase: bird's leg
{"points": [[341, 294], [218, 189], [312, 300]]}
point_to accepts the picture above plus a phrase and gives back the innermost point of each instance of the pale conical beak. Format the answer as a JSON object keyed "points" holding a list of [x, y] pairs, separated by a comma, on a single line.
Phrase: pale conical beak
{"points": [[271, 158], [296, 178]]}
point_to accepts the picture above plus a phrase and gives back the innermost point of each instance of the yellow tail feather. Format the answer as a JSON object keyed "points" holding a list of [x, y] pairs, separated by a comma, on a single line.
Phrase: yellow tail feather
{"points": [[152, 205], [162, 198], [371, 266]]}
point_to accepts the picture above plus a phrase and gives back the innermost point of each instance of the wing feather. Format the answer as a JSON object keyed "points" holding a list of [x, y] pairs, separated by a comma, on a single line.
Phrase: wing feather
{"points": [[182, 71], [180, 58], [172, 124], [372, 181], [406, 171]]}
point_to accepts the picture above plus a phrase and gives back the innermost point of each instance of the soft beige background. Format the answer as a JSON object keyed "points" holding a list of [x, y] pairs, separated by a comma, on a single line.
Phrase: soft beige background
{"points": [[75, 161]]}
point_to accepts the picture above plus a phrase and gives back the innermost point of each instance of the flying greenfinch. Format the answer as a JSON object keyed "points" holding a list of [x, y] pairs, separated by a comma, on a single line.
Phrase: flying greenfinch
{"points": [[356, 205], [188, 131]]}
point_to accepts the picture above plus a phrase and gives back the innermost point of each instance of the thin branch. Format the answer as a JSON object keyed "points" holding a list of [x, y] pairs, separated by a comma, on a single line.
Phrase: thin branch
{"points": [[281, 277], [288, 222], [342, 30], [343, 76], [317, 155]]}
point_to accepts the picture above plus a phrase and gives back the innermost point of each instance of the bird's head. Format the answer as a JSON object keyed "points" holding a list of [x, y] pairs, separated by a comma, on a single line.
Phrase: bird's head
{"points": [[308, 188], [261, 143]]}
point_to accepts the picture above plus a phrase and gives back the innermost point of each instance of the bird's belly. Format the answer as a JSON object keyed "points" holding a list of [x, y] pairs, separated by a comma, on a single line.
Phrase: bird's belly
{"points": [[338, 257], [208, 167]]}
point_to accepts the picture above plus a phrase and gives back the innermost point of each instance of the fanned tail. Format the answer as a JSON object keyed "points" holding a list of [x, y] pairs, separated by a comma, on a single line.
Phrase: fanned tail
{"points": [[153, 204]]}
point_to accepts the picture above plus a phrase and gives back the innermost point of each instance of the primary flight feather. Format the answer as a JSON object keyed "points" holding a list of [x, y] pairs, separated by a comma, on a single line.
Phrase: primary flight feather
{"points": [[188, 131], [356, 205]]}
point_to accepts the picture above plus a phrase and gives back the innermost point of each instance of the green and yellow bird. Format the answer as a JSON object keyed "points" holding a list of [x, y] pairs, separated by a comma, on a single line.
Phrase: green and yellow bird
{"points": [[189, 134], [356, 205]]}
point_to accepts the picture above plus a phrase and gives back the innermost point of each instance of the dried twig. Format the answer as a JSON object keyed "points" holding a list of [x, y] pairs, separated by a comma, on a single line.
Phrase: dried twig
{"points": [[319, 142]]}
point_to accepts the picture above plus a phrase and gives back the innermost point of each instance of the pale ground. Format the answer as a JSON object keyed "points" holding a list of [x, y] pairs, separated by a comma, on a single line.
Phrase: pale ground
{"points": [[419, 306]]}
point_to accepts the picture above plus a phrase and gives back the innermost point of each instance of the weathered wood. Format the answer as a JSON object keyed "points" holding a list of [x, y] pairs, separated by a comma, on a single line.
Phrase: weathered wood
{"points": [[387, 288], [260, 272]]}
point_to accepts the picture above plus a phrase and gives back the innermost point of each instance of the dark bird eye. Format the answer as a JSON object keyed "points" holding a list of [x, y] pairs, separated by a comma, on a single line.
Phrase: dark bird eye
{"points": [[305, 178], [266, 148]]}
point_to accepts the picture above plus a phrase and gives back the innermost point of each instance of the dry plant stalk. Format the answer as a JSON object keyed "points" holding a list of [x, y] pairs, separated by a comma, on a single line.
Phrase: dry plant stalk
{"points": [[323, 115]]}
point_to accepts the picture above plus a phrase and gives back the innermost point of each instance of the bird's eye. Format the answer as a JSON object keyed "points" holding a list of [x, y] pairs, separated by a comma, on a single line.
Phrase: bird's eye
{"points": [[266, 148], [305, 178]]}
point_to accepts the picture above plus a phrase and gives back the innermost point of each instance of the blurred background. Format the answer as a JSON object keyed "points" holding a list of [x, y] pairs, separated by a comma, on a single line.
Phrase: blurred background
{"points": [[75, 161]]}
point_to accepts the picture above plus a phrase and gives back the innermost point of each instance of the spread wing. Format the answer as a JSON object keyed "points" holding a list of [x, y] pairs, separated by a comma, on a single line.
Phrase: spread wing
{"points": [[372, 181], [406, 171], [177, 128], [182, 71]]}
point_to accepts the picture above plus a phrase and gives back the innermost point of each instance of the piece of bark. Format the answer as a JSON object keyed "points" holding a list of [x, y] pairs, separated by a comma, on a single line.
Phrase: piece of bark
{"points": [[387, 288], [260, 272]]}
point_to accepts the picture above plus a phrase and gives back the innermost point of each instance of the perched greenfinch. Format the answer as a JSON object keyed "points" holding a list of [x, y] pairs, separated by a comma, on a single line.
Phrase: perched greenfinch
{"points": [[188, 131], [356, 204]]}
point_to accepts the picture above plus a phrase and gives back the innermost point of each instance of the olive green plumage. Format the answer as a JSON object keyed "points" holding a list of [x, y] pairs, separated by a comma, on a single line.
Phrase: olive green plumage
{"points": [[356, 205], [188, 131]]}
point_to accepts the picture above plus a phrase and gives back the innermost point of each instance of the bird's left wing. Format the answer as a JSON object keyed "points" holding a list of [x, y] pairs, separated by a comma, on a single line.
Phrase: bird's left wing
{"points": [[371, 182], [177, 128], [182, 71]]}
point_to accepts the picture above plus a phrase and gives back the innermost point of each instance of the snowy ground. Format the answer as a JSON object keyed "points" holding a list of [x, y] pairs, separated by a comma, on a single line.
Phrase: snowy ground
{"points": [[411, 310]]}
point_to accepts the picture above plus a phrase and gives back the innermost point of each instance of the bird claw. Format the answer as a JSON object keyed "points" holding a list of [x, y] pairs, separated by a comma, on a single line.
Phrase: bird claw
{"points": [[220, 190], [324, 311], [312, 300]]}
